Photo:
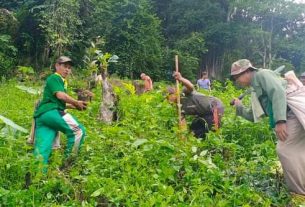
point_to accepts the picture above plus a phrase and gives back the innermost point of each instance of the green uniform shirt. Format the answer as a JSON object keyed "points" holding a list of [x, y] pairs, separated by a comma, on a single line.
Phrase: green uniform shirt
{"points": [[270, 89], [198, 104], [55, 83]]}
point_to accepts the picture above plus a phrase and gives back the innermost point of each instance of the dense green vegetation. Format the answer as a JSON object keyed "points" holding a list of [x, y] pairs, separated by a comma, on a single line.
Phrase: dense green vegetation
{"points": [[140, 160], [145, 34]]}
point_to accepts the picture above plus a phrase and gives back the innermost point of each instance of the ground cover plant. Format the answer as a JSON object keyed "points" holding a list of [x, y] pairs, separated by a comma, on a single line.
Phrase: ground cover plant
{"points": [[139, 160]]}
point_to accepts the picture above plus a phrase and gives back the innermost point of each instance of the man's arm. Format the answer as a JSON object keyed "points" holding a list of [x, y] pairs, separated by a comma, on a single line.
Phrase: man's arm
{"points": [[70, 106], [150, 83], [189, 86], [80, 105], [242, 111]]}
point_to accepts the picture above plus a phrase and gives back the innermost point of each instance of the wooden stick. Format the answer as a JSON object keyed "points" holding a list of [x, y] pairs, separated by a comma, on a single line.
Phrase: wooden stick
{"points": [[178, 92]]}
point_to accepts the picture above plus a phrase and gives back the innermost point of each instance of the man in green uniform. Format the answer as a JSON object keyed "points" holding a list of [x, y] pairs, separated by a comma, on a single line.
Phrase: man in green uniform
{"points": [[50, 116], [207, 109], [269, 98]]}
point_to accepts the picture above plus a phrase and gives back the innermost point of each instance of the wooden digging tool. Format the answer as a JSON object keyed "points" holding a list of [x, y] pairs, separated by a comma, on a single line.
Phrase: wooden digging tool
{"points": [[178, 92]]}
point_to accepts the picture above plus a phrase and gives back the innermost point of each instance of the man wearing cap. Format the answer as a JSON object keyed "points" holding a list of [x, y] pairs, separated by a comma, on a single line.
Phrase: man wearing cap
{"points": [[51, 117], [208, 110], [148, 85], [269, 98], [302, 78]]}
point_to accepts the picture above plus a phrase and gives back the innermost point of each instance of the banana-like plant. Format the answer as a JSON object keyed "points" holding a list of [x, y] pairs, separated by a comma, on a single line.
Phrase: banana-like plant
{"points": [[12, 124], [97, 60]]}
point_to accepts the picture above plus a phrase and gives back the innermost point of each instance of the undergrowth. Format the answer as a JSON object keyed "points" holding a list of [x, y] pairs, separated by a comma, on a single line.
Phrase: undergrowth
{"points": [[140, 160]]}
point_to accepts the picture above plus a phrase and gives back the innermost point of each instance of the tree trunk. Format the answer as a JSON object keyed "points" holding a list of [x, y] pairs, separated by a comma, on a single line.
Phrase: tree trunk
{"points": [[270, 43], [213, 62], [107, 107]]}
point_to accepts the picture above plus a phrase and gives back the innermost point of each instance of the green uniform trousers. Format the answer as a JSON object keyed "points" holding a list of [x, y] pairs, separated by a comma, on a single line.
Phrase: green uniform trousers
{"points": [[47, 126]]}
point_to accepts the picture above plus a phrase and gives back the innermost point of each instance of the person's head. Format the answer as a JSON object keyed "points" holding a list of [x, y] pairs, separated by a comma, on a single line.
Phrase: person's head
{"points": [[142, 76], [302, 78], [204, 75], [241, 72], [63, 66], [171, 94]]}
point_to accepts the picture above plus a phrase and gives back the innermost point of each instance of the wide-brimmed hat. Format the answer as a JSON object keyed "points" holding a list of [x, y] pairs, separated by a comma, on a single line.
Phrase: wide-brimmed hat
{"points": [[241, 66], [64, 59]]}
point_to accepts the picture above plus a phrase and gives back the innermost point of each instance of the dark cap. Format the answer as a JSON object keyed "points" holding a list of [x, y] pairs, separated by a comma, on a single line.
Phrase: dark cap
{"points": [[64, 59]]}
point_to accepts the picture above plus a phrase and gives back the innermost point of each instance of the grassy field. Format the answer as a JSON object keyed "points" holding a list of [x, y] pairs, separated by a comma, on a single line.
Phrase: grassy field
{"points": [[140, 160]]}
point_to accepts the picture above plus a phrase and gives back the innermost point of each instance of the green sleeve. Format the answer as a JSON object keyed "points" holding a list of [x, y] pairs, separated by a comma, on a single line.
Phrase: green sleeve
{"points": [[55, 84], [245, 113], [272, 85]]}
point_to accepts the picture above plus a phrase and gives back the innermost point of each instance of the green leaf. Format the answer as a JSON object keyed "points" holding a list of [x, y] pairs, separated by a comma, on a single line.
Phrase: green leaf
{"points": [[113, 59], [12, 124], [97, 192], [3, 192], [139, 142], [29, 90]]}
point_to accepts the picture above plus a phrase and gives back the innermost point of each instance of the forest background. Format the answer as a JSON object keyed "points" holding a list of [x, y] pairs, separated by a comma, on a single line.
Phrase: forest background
{"points": [[208, 35]]}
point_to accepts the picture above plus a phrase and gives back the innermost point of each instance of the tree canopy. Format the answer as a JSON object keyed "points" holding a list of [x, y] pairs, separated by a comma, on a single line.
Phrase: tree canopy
{"points": [[208, 35]]}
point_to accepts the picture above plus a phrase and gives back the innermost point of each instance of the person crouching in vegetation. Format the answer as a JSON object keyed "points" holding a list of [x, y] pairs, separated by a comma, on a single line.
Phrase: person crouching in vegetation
{"points": [[271, 97], [207, 110], [51, 117]]}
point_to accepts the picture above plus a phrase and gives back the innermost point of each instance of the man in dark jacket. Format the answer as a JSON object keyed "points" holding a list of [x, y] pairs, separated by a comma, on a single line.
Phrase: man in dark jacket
{"points": [[207, 110]]}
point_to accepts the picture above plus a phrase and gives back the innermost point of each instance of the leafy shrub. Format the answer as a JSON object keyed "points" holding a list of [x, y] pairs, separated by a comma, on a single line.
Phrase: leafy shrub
{"points": [[8, 54]]}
